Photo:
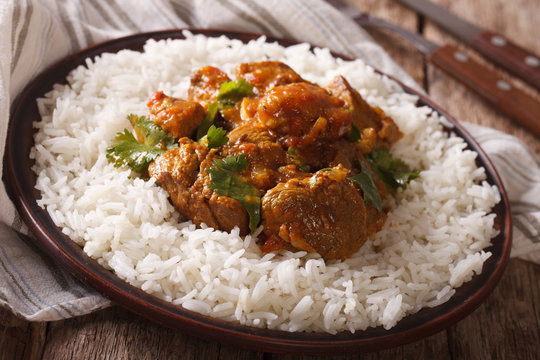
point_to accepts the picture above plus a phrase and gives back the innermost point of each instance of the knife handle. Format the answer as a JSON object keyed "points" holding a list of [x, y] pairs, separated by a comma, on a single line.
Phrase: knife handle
{"points": [[509, 56], [489, 85]]}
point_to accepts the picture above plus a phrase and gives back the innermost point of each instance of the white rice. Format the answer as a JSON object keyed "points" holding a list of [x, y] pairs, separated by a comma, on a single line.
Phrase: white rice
{"points": [[433, 240]]}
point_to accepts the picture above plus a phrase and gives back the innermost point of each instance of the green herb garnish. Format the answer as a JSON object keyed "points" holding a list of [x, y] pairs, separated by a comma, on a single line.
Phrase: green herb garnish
{"points": [[355, 134], [234, 90], [208, 120], [297, 160], [126, 150], [229, 93], [149, 133], [227, 181], [214, 138], [365, 181], [394, 172]]}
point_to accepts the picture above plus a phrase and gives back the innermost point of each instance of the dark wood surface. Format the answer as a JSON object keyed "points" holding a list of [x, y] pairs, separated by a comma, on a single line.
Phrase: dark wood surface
{"points": [[493, 88], [506, 326]]}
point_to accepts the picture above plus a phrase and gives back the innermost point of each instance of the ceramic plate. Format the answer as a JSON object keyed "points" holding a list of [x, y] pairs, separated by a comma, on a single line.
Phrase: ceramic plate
{"points": [[20, 182]]}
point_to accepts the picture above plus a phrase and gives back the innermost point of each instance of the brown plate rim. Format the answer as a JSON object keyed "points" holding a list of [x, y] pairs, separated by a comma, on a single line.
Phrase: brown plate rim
{"points": [[20, 180]]}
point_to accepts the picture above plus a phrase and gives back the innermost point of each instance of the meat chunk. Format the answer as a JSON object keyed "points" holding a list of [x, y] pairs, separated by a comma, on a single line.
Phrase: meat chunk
{"points": [[178, 117], [265, 75], [204, 88], [229, 117], [296, 154], [324, 213], [216, 211], [182, 173], [176, 170], [319, 155], [389, 132], [263, 153], [363, 114], [364, 117], [205, 84], [302, 113]]}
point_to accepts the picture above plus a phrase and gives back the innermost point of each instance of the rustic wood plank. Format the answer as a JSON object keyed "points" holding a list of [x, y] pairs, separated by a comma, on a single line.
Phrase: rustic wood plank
{"points": [[402, 52], [433, 347], [517, 22], [532, 272], [231, 352], [506, 326], [20, 339], [115, 333]]}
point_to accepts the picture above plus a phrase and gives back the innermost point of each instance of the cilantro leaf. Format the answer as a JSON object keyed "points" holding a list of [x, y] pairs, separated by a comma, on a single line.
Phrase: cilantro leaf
{"points": [[297, 160], [394, 172], [138, 153], [150, 133], [364, 180], [216, 137], [208, 120], [227, 181], [355, 134], [234, 90], [233, 163], [127, 151], [229, 93]]}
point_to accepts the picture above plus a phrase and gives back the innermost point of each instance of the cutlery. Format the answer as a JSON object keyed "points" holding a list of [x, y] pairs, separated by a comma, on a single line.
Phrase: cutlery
{"points": [[495, 47], [483, 81]]}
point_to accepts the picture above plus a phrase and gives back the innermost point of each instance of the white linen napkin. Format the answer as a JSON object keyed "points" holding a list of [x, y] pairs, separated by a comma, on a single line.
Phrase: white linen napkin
{"points": [[36, 33]]}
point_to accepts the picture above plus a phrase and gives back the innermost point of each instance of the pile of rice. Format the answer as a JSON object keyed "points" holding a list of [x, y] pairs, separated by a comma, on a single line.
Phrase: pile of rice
{"points": [[433, 240]]}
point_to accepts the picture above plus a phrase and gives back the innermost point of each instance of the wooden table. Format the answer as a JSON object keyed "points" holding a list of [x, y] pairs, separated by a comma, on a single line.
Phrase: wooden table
{"points": [[506, 326]]}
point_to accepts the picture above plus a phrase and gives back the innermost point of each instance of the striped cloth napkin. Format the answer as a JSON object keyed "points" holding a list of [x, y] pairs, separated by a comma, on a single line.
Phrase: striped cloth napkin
{"points": [[36, 33]]}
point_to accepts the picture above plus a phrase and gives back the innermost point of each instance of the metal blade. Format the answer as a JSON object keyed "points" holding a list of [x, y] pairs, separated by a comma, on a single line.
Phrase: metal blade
{"points": [[422, 44], [445, 19]]}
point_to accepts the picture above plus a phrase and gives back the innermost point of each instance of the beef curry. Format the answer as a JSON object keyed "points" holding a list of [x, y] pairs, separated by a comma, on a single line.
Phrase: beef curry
{"points": [[270, 148]]}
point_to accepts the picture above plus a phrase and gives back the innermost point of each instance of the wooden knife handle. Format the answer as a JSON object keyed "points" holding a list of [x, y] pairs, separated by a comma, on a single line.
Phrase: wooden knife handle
{"points": [[509, 56], [490, 86]]}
